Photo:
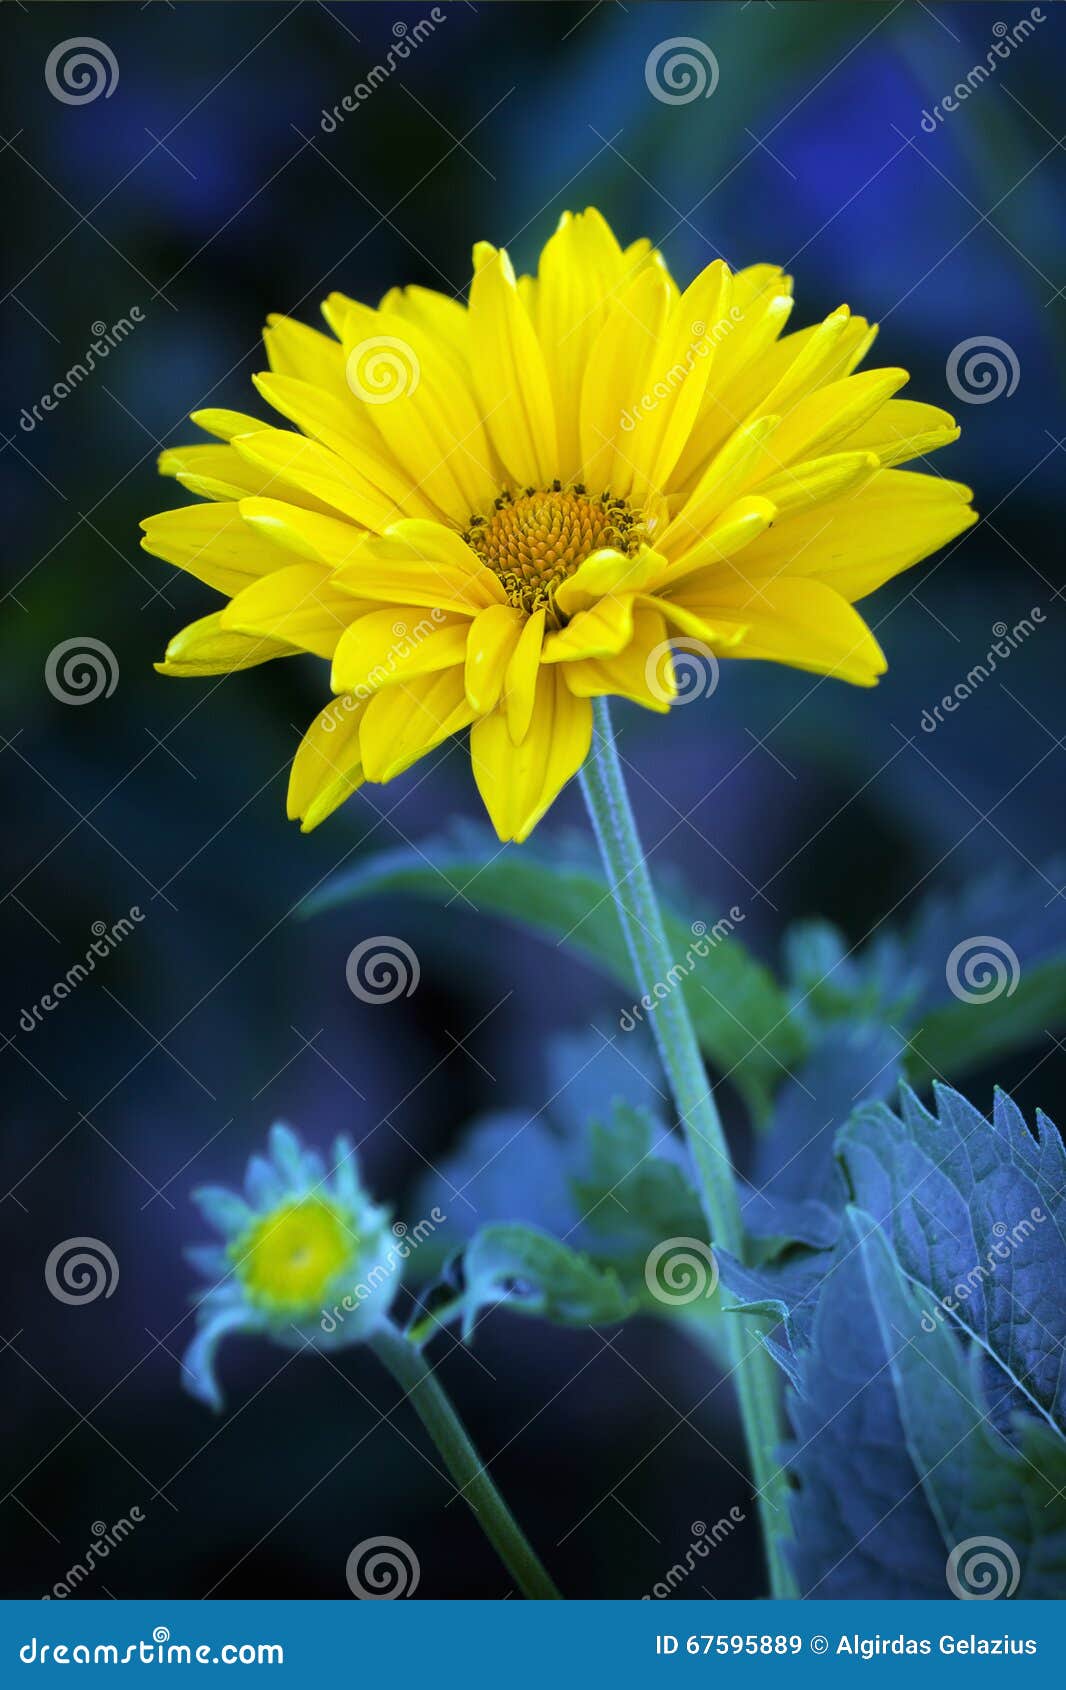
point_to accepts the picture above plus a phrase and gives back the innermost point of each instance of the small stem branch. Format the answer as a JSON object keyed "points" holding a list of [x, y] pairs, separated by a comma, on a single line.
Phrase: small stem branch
{"points": [[603, 784], [416, 1378]]}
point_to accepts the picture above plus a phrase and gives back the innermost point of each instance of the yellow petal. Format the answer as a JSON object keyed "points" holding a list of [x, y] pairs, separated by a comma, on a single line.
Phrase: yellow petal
{"points": [[520, 682], [800, 622], [580, 267], [422, 563], [403, 723], [729, 469], [512, 382], [806, 484], [293, 462], [738, 526], [490, 645], [824, 420], [206, 648], [666, 399], [600, 631], [294, 349], [607, 571], [905, 429], [641, 672], [338, 424], [444, 319], [212, 543], [310, 534], [328, 767], [421, 410], [518, 783], [211, 472], [298, 604], [225, 425], [386, 647], [615, 379], [869, 536]]}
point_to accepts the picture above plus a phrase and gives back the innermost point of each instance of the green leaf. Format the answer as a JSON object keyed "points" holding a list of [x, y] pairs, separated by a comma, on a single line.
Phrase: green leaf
{"points": [[559, 892], [536, 1275]]}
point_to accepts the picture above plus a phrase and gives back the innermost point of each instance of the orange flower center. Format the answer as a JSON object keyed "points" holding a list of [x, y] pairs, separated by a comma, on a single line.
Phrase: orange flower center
{"points": [[536, 540]]}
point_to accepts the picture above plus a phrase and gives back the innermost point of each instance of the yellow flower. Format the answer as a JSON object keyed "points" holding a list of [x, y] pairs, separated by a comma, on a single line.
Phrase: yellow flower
{"points": [[491, 513]]}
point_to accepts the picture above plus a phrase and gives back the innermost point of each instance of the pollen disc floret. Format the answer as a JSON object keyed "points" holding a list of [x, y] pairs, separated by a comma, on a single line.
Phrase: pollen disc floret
{"points": [[306, 1257], [287, 1260], [536, 539]]}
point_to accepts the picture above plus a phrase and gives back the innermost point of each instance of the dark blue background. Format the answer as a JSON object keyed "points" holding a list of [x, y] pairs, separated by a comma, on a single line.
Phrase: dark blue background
{"points": [[205, 192]]}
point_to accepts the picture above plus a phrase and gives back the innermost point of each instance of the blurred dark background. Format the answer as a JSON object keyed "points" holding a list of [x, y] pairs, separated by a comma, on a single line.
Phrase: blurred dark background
{"points": [[204, 191]]}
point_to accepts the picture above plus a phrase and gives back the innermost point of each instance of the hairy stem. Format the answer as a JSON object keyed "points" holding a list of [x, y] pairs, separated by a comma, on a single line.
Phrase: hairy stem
{"points": [[427, 1397], [603, 784]]}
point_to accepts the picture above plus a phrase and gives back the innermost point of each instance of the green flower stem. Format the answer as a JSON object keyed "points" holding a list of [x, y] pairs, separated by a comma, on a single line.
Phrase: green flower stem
{"points": [[416, 1378], [634, 896]]}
